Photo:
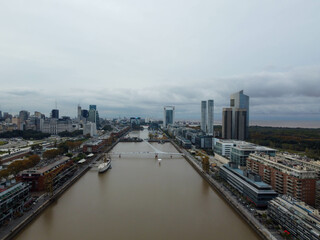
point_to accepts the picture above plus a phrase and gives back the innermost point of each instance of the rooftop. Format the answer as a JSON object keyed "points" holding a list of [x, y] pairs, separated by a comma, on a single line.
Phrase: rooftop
{"points": [[301, 210], [48, 167], [9, 191], [241, 173], [252, 147], [242, 145], [94, 143], [296, 168]]}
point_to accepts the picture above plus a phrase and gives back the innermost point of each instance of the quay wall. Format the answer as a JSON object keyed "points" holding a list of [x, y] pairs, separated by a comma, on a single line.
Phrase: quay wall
{"points": [[262, 232], [17, 229]]}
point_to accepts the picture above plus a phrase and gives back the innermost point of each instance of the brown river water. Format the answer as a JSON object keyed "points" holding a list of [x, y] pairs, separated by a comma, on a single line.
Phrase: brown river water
{"points": [[140, 199]]}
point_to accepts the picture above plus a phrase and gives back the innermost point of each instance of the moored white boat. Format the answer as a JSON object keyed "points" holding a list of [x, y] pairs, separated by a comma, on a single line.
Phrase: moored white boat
{"points": [[105, 165]]}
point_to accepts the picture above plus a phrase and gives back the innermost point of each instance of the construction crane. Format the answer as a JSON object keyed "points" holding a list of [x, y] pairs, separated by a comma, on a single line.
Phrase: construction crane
{"points": [[204, 160]]}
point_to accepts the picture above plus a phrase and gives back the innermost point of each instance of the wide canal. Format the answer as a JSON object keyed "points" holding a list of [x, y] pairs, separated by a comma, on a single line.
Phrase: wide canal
{"points": [[140, 198]]}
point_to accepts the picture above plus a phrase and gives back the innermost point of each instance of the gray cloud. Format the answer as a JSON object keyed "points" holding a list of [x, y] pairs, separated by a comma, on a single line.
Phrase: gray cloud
{"points": [[135, 57], [271, 93]]}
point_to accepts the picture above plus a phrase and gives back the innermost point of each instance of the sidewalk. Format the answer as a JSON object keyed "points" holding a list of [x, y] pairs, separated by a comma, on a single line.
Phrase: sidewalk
{"points": [[231, 199], [16, 225]]}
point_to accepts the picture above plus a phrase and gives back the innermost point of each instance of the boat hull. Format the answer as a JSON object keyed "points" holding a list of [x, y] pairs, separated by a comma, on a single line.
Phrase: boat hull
{"points": [[105, 167]]}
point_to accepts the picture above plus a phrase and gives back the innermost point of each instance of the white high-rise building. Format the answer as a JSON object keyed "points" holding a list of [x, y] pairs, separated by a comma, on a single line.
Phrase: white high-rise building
{"points": [[90, 128], [203, 124], [210, 128], [79, 113], [207, 109]]}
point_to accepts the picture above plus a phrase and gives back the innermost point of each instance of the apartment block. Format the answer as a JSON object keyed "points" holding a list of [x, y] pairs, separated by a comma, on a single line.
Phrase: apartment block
{"points": [[299, 219], [13, 201], [285, 177], [248, 184]]}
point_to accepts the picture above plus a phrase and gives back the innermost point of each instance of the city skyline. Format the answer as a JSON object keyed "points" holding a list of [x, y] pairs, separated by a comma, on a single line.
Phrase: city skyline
{"points": [[156, 55], [160, 119]]}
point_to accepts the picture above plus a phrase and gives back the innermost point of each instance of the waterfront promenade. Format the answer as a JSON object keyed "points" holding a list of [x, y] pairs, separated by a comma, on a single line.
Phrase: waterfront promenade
{"points": [[16, 225], [227, 195]]}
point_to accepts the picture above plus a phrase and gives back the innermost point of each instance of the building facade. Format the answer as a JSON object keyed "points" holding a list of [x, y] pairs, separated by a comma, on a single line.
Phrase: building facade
{"points": [[38, 178], [94, 146], [55, 113], [223, 147], [168, 117], [238, 151], [210, 127], [299, 219], [241, 126], [93, 115], [238, 116], [284, 177], [203, 124], [248, 184], [241, 151], [90, 128], [227, 123], [79, 113], [207, 110], [13, 201], [55, 126]]}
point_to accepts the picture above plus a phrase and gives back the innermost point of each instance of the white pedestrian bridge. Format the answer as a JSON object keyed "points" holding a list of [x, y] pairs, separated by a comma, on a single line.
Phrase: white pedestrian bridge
{"points": [[156, 153]]}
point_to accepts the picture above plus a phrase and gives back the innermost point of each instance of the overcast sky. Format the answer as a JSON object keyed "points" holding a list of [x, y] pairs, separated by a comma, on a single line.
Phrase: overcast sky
{"points": [[133, 57]]}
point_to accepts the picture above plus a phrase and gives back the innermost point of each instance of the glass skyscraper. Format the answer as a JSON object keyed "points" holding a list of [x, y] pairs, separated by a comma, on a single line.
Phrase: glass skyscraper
{"points": [[168, 115], [207, 116], [239, 119]]}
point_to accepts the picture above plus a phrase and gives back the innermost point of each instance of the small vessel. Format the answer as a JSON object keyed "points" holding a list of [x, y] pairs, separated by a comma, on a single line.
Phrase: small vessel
{"points": [[105, 165]]}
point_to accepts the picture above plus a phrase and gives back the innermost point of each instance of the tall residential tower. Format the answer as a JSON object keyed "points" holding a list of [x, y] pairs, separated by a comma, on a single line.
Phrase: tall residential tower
{"points": [[168, 117], [206, 124], [210, 117], [203, 124], [79, 113], [238, 116], [93, 115]]}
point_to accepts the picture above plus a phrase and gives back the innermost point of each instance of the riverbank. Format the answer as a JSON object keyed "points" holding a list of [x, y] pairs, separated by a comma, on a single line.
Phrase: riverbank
{"points": [[17, 225], [261, 230]]}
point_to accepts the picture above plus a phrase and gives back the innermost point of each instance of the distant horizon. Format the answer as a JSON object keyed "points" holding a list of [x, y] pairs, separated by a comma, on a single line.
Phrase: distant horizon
{"points": [[267, 121]]}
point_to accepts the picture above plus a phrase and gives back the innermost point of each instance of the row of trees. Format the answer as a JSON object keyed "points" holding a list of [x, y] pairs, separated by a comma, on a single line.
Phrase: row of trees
{"points": [[288, 139], [71, 134], [62, 148], [27, 134], [20, 165]]}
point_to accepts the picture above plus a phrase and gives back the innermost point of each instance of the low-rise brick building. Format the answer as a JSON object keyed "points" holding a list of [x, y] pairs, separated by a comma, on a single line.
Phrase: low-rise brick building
{"points": [[37, 177]]}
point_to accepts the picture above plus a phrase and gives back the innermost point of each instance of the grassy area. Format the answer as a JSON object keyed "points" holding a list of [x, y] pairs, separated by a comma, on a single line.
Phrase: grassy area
{"points": [[3, 143]]}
